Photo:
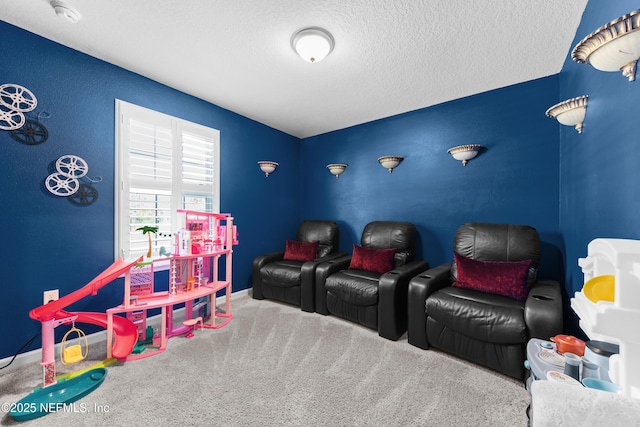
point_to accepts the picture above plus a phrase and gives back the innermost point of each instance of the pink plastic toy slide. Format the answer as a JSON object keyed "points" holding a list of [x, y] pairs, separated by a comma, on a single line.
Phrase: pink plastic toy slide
{"points": [[52, 315], [124, 331], [48, 311]]}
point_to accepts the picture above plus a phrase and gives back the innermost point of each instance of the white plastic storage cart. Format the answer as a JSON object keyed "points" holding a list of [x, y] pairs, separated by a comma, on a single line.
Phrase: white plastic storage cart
{"points": [[616, 321]]}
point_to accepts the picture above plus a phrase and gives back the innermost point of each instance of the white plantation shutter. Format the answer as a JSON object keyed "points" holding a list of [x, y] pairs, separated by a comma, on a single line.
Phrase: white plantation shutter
{"points": [[198, 171], [197, 162], [163, 164], [150, 155]]}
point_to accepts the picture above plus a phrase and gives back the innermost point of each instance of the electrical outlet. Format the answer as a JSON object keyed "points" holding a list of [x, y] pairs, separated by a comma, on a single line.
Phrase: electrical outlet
{"points": [[51, 295]]}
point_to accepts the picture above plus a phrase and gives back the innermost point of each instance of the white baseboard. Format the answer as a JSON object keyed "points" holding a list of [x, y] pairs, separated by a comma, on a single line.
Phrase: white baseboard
{"points": [[98, 337]]}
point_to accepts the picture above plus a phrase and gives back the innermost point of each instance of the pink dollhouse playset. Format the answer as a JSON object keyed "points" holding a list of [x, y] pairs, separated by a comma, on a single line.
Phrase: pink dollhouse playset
{"points": [[194, 279], [202, 243]]}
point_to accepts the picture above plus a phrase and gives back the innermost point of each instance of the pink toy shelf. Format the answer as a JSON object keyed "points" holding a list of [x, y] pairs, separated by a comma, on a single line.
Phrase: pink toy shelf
{"points": [[202, 242]]}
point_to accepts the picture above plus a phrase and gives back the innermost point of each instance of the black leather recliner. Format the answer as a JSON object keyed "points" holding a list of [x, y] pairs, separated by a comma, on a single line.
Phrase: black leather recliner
{"points": [[372, 299], [293, 281], [489, 329]]}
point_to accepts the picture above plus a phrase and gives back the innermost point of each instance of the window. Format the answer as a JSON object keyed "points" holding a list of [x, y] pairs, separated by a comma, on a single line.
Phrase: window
{"points": [[162, 164]]}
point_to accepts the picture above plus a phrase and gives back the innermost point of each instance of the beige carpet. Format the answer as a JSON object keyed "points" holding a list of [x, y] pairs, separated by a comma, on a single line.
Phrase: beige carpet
{"points": [[275, 365]]}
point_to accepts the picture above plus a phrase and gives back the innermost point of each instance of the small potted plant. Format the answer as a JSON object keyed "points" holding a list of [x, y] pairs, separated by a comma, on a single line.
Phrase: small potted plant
{"points": [[148, 230]]}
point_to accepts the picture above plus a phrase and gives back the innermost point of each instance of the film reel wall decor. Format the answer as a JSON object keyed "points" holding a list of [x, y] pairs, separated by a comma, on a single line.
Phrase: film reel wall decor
{"points": [[65, 182], [15, 100], [33, 132]]}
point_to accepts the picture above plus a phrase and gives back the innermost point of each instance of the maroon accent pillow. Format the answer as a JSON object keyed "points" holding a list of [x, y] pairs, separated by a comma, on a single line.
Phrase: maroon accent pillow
{"points": [[494, 277], [301, 251], [375, 260]]}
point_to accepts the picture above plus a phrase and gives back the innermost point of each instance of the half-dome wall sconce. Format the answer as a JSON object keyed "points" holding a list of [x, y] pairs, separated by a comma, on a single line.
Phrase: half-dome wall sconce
{"points": [[612, 47], [337, 169], [390, 162], [570, 112], [267, 166], [464, 153]]}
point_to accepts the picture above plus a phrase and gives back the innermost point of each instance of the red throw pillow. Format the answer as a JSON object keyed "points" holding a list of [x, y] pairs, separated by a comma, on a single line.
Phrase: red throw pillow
{"points": [[301, 251], [375, 260], [495, 277]]}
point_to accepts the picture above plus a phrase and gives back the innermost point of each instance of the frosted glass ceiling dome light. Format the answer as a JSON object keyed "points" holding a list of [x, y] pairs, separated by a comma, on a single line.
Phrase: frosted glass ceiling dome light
{"points": [[390, 162], [570, 112], [65, 11], [337, 169], [267, 166], [613, 47], [464, 153], [313, 44]]}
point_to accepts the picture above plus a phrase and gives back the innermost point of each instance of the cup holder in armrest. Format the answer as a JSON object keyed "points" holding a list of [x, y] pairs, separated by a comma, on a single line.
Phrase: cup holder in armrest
{"points": [[542, 297]]}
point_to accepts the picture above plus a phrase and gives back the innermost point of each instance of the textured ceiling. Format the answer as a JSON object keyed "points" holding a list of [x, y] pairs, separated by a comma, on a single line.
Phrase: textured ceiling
{"points": [[390, 56]]}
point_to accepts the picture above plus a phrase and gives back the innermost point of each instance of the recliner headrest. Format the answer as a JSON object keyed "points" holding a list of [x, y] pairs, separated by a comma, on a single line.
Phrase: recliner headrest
{"points": [[497, 242], [391, 234], [325, 232]]}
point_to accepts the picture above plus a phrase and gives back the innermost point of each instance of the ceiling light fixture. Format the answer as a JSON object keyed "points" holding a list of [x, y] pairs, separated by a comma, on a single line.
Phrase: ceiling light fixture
{"points": [[313, 44], [570, 112], [613, 47], [64, 10]]}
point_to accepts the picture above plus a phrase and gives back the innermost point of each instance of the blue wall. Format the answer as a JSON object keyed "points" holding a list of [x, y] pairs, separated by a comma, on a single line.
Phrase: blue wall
{"points": [[50, 243], [599, 178], [515, 180]]}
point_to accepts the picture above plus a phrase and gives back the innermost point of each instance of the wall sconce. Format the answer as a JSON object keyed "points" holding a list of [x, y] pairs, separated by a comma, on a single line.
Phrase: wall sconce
{"points": [[337, 168], [267, 166], [390, 162], [612, 47], [570, 112], [313, 44], [464, 153]]}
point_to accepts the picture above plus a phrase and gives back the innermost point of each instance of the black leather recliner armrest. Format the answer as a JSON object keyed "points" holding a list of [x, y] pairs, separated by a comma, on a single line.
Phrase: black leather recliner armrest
{"points": [[420, 287], [258, 263], [308, 279], [543, 310], [323, 271], [392, 299]]}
